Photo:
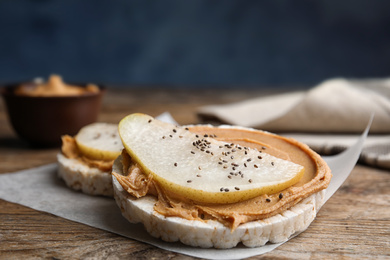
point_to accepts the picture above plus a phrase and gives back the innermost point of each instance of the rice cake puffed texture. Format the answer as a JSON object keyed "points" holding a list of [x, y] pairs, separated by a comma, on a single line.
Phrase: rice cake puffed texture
{"points": [[211, 233], [79, 176]]}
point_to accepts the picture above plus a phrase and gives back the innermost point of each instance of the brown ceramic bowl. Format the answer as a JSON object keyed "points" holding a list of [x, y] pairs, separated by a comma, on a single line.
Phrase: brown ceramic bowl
{"points": [[41, 121]]}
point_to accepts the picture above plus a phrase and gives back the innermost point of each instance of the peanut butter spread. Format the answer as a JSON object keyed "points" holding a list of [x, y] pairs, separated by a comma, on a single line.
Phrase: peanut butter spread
{"points": [[317, 177], [70, 150], [54, 87]]}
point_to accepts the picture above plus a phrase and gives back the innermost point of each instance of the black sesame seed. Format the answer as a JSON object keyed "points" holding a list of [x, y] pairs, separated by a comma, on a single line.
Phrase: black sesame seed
{"points": [[175, 164], [174, 130], [236, 188], [226, 189], [272, 163], [260, 157], [280, 195], [189, 181], [256, 166], [192, 152], [250, 180], [267, 200], [150, 120]]}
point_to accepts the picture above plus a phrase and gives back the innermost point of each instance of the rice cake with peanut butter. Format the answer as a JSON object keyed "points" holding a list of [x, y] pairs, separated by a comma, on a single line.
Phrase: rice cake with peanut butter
{"points": [[85, 161], [271, 216]]}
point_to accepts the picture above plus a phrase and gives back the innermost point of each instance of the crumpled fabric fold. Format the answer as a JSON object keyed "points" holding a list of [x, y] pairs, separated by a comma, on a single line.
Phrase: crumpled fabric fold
{"points": [[338, 108]]}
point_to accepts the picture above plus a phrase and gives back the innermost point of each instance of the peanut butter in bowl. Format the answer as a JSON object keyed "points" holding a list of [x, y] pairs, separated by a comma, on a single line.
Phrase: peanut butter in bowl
{"points": [[54, 87], [41, 112]]}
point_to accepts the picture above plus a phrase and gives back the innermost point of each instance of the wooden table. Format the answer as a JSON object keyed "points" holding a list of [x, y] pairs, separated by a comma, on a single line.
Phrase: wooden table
{"points": [[354, 223]]}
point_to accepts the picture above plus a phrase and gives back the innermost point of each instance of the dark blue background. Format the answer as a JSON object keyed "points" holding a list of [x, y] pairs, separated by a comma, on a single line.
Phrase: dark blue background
{"points": [[195, 42]]}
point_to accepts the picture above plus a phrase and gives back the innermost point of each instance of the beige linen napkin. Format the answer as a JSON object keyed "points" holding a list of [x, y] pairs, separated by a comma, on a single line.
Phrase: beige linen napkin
{"points": [[325, 114]]}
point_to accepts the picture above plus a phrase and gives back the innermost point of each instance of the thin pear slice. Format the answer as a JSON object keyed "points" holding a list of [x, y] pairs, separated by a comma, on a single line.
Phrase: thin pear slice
{"points": [[201, 168], [99, 141]]}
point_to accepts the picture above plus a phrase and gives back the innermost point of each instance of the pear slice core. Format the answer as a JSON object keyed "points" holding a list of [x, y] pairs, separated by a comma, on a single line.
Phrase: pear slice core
{"points": [[201, 168]]}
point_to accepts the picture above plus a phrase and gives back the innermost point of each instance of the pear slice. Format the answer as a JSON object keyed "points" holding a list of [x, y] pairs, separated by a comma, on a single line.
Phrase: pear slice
{"points": [[200, 167], [99, 141]]}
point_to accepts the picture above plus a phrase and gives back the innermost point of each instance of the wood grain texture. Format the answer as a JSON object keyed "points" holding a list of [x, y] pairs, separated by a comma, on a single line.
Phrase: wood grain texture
{"points": [[353, 224]]}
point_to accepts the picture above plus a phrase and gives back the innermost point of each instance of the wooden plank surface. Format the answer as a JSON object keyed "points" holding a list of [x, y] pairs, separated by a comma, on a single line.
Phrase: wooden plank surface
{"points": [[354, 223]]}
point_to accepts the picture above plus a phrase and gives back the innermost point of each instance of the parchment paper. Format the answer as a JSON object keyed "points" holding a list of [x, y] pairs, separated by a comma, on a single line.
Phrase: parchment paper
{"points": [[41, 189]]}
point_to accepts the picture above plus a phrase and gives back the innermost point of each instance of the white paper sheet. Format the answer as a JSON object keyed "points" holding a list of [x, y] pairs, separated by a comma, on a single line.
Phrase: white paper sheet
{"points": [[41, 189]]}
